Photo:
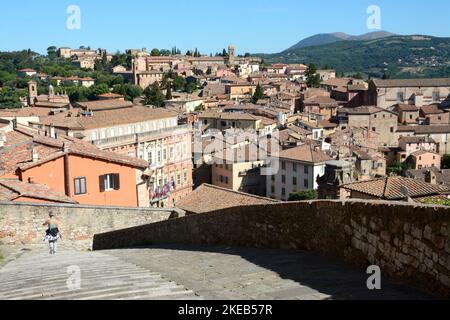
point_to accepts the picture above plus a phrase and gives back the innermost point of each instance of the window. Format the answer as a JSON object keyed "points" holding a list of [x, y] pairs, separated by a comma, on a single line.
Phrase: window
{"points": [[392, 129], [171, 153], [294, 181], [94, 135], [306, 170], [165, 154], [80, 185], [294, 167], [112, 133], [374, 129], [283, 179], [272, 189], [102, 134], [400, 96], [186, 176], [283, 191], [273, 178], [179, 178], [109, 182], [306, 183], [283, 165], [436, 95], [120, 131]]}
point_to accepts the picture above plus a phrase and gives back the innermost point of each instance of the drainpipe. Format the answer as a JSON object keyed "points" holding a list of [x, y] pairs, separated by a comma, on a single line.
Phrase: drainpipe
{"points": [[66, 175]]}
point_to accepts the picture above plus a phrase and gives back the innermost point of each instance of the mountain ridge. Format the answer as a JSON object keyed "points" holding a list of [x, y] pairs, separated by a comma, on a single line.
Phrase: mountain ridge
{"points": [[328, 38]]}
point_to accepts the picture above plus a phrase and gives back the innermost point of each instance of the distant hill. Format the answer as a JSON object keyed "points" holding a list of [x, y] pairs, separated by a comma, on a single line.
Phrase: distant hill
{"points": [[327, 38], [413, 56]]}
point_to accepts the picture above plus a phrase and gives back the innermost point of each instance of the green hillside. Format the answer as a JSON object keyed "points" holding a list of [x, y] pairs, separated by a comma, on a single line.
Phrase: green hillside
{"points": [[398, 56]]}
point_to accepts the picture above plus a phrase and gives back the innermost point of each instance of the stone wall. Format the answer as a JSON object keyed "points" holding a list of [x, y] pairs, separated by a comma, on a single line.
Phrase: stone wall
{"points": [[409, 242], [21, 224]]}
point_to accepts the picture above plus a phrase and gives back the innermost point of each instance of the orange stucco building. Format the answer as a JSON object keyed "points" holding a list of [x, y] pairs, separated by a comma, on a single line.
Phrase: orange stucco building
{"points": [[75, 169]]}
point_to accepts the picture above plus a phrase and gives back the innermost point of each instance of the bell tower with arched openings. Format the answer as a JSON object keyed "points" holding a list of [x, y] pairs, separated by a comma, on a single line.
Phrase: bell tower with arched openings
{"points": [[32, 92]]}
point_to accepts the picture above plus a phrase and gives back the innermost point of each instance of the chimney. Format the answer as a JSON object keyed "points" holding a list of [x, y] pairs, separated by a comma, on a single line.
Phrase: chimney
{"points": [[34, 155], [52, 132], [31, 180], [65, 148], [430, 177]]}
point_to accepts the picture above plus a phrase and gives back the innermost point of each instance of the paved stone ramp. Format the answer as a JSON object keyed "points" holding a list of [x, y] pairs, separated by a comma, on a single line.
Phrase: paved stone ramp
{"points": [[224, 273], [36, 275]]}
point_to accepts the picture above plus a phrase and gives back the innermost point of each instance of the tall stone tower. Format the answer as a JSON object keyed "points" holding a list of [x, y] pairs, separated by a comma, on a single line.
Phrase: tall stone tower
{"points": [[32, 92], [231, 54], [135, 66]]}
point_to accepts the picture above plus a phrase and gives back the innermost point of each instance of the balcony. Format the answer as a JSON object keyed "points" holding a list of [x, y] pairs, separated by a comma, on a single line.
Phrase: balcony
{"points": [[141, 137]]}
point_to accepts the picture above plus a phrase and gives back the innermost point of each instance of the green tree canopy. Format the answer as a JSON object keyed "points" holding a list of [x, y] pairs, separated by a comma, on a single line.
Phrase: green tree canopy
{"points": [[303, 195], [312, 78], [259, 93], [155, 52], [153, 95]]}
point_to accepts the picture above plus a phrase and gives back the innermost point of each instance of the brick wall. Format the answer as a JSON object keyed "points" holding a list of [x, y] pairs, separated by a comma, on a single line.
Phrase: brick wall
{"points": [[409, 242], [22, 223]]}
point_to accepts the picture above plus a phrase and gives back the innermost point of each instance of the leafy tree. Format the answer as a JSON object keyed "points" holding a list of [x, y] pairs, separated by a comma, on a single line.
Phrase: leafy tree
{"points": [[259, 93], [178, 83], [303, 195], [169, 93], [396, 168], [153, 95], [312, 78], [155, 52], [129, 91], [446, 161], [191, 87], [52, 52]]}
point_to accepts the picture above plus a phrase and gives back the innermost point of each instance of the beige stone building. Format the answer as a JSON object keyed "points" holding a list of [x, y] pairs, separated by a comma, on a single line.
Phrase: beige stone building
{"points": [[378, 123], [418, 92]]}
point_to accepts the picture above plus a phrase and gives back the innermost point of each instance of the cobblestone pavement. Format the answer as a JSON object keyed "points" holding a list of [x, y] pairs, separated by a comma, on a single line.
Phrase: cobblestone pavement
{"points": [[75, 275], [188, 272], [239, 273]]}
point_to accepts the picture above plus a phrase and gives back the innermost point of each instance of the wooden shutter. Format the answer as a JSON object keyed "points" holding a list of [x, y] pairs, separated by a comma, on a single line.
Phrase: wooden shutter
{"points": [[102, 183], [116, 181]]}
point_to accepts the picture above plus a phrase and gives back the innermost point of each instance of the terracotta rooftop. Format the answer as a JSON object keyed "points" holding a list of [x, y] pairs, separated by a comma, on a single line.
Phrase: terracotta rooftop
{"points": [[11, 190], [305, 153], [106, 118], [436, 82], [389, 188], [431, 109], [407, 107], [209, 198], [19, 144]]}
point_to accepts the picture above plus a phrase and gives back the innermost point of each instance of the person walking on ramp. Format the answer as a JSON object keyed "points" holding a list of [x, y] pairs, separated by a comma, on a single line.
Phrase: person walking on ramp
{"points": [[52, 233]]}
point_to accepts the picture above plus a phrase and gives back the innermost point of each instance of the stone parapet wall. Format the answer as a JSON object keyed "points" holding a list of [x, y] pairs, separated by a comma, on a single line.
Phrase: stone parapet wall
{"points": [[21, 224], [409, 242]]}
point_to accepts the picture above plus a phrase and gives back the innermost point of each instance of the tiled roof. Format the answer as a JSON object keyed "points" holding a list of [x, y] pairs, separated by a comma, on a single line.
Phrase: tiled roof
{"points": [[105, 104], [431, 109], [106, 118], [437, 82], [305, 153], [389, 188], [209, 198], [416, 140], [17, 151], [407, 107], [12, 189]]}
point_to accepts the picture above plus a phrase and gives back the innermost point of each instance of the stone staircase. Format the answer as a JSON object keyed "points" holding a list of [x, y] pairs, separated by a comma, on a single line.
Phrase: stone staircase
{"points": [[36, 275]]}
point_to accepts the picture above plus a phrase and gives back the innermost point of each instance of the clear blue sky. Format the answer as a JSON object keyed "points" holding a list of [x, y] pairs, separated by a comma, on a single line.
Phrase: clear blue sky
{"points": [[252, 25]]}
